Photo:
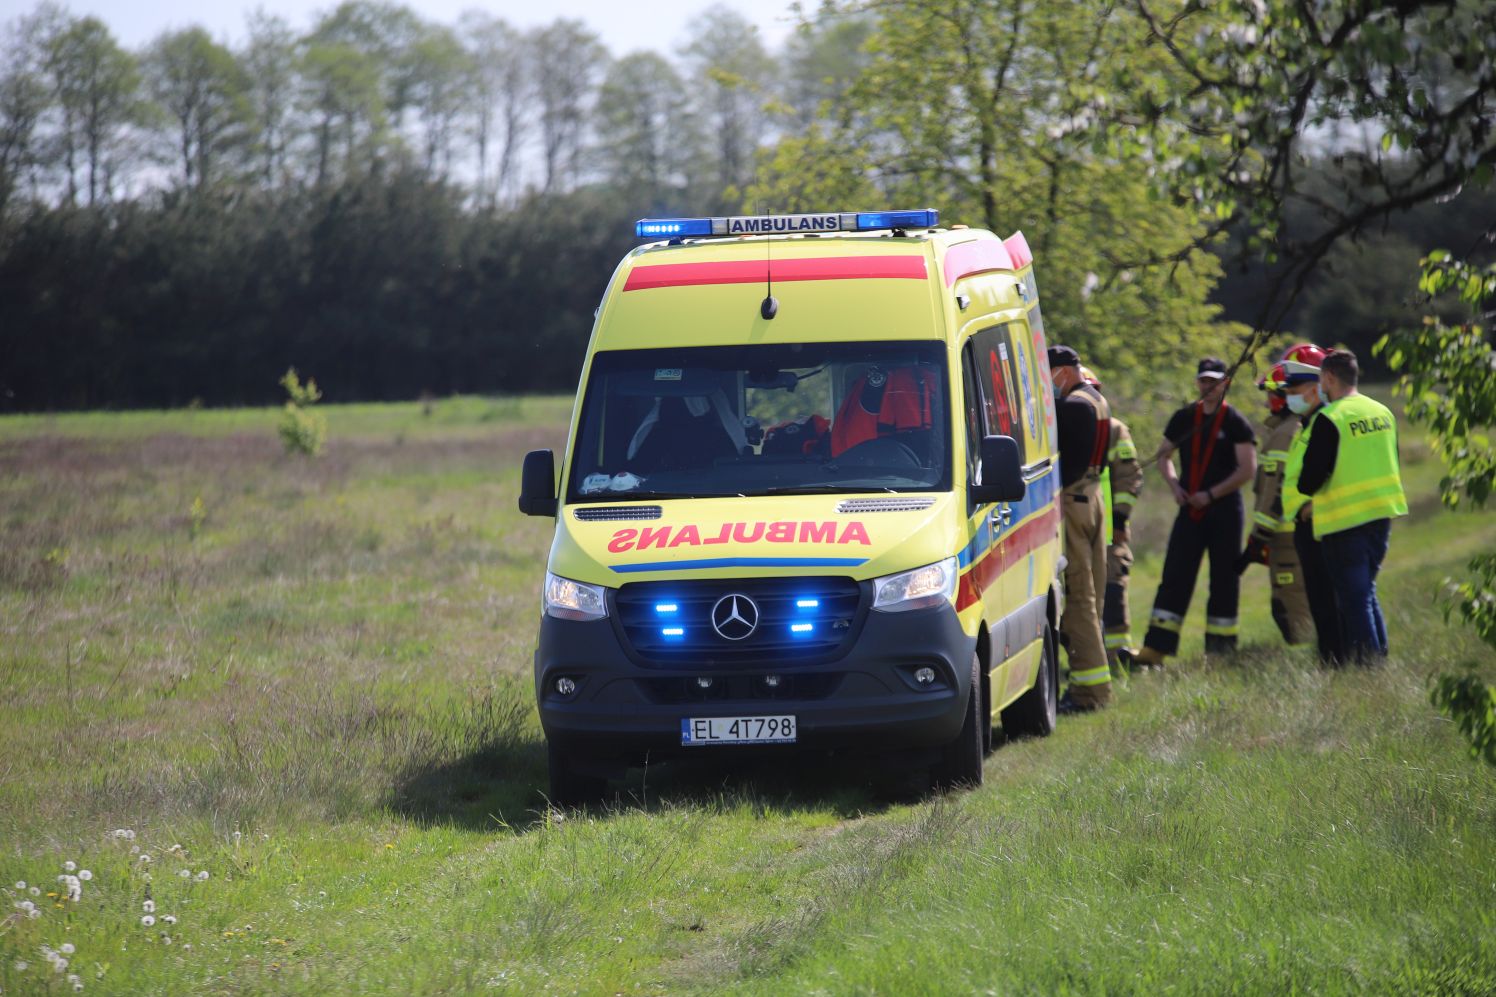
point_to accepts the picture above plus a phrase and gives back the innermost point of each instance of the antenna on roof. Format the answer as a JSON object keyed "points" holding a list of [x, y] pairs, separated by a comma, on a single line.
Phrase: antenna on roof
{"points": [[769, 307]]}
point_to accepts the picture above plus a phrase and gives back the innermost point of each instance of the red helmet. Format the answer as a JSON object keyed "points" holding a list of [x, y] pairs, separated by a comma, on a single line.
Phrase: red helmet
{"points": [[1272, 382], [1302, 363], [1089, 376]]}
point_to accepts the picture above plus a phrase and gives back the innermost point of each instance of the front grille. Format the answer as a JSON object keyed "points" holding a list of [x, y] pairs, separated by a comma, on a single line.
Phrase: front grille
{"points": [[884, 505], [825, 611], [736, 688]]}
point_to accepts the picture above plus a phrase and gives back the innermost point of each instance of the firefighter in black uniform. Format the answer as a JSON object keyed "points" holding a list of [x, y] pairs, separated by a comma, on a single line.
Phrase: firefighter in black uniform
{"points": [[1217, 449]]}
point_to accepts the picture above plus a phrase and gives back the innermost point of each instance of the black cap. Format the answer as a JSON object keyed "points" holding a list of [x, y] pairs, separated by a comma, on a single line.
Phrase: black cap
{"points": [[1063, 356], [1212, 368]]}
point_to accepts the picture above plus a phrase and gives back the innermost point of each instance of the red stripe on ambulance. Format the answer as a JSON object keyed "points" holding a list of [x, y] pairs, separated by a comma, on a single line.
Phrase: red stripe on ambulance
{"points": [[885, 267]]}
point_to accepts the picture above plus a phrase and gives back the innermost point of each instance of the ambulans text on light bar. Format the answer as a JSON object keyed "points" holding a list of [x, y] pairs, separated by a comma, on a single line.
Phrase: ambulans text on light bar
{"points": [[836, 221]]}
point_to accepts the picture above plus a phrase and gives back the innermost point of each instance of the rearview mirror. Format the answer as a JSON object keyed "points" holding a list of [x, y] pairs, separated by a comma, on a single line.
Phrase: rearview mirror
{"points": [[537, 487], [1000, 474]]}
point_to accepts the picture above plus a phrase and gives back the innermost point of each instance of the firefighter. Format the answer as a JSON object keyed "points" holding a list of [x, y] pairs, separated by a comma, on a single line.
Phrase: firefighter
{"points": [[1271, 539], [1301, 366], [1218, 455], [1350, 470], [1083, 420], [1121, 484]]}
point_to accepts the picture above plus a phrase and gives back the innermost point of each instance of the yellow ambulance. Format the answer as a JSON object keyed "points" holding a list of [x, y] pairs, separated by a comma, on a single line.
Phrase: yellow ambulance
{"points": [[808, 501]]}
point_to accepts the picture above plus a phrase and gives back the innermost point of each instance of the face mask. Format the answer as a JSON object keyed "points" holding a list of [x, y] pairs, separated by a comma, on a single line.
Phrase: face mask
{"points": [[1299, 404]]}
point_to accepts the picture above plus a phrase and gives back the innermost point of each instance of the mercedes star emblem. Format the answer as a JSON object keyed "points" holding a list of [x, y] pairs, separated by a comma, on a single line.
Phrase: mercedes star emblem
{"points": [[735, 617]]}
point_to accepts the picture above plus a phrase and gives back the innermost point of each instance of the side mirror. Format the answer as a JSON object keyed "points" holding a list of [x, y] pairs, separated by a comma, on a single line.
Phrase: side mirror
{"points": [[537, 488], [1001, 472]]}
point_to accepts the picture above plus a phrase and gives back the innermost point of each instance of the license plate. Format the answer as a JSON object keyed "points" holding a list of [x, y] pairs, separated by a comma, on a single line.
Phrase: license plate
{"points": [[737, 730]]}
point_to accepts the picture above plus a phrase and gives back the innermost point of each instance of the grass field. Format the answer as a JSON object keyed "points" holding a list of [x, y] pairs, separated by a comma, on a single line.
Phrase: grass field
{"points": [[310, 681]]}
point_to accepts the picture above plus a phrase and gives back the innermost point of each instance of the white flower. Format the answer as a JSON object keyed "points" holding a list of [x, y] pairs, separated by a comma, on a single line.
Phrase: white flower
{"points": [[148, 920], [76, 981], [70, 866], [169, 919], [202, 875], [186, 946], [22, 965], [134, 849], [26, 905], [60, 964], [34, 913], [185, 873], [78, 987], [20, 884], [85, 875], [149, 906], [125, 834], [237, 836], [67, 948], [35, 891], [165, 939], [144, 858]]}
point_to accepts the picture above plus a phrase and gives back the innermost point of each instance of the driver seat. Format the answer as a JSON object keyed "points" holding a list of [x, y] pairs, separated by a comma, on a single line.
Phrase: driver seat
{"points": [[884, 403]]}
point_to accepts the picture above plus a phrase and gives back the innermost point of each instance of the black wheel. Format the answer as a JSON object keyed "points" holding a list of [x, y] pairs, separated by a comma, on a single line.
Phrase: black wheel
{"points": [[568, 787], [961, 761], [1034, 713]]}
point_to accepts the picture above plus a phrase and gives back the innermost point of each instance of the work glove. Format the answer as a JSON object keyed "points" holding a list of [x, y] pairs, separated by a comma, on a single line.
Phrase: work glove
{"points": [[1256, 552]]}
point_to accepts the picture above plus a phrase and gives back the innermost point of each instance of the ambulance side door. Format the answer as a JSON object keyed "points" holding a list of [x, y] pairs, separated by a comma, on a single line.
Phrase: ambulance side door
{"points": [[1003, 397]]}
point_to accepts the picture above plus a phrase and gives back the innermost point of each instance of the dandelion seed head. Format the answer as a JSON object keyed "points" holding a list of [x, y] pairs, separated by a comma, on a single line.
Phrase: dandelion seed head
{"points": [[202, 875], [26, 905], [67, 948], [169, 919], [20, 884], [22, 965], [148, 920], [78, 987], [70, 866], [35, 891], [165, 939], [149, 906], [34, 913], [59, 964], [85, 875], [185, 873], [144, 859]]}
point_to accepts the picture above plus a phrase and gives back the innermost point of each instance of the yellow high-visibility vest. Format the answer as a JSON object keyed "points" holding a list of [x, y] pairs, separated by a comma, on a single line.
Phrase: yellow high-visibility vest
{"points": [[1366, 484], [1293, 499]]}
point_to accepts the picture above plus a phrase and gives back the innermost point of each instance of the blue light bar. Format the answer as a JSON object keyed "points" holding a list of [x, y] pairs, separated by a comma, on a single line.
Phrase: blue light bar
{"points": [[666, 607], [807, 603], [801, 628], [868, 221], [801, 224], [674, 631], [655, 228]]}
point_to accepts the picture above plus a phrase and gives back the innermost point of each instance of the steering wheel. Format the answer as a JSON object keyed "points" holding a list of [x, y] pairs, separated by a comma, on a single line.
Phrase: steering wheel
{"points": [[883, 451]]}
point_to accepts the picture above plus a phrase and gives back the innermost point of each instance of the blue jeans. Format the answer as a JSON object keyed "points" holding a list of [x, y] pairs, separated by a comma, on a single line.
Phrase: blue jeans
{"points": [[1354, 557]]}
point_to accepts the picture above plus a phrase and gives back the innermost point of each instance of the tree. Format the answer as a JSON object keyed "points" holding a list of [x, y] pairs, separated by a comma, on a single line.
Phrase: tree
{"points": [[821, 61], [203, 91], [1449, 388], [1019, 138], [442, 73], [644, 128], [1403, 94], [96, 85], [24, 99], [341, 94], [270, 64], [735, 76], [500, 87], [568, 59]]}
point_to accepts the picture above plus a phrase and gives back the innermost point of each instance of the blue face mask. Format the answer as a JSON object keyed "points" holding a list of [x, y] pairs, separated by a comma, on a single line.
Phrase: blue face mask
{"points": [[1299, 404]]}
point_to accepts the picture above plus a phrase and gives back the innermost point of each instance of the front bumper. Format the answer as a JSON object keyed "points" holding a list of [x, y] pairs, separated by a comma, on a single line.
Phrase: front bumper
{"points": [[867, 699]]}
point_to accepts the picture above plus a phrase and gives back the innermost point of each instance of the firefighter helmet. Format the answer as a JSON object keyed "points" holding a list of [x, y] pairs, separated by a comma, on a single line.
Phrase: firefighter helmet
{"points": [[1272, 382], [1302, 363], [1089, 376]]}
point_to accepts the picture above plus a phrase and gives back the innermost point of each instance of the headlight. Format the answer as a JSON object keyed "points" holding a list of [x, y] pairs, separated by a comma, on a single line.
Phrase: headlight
{"points": [[917, 589], [568, 600]]}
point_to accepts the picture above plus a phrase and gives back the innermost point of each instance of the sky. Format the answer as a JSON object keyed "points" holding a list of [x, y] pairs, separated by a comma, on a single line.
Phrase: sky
{"points": [[659, 25]]}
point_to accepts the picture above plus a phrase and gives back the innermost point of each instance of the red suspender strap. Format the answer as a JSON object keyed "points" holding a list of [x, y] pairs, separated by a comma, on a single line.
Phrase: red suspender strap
{"points": [[1200, 461]]}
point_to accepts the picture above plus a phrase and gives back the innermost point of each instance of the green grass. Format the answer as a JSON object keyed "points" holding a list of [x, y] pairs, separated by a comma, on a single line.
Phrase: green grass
{"points": [[319, 690]]}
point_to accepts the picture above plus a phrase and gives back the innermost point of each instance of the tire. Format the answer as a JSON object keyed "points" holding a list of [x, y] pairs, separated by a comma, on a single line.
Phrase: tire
{"points": [[1034, 713], [568, 787], [960, 763]]}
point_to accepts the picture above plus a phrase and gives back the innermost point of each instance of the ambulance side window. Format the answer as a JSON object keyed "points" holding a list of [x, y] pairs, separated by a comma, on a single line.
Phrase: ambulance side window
{"points": [[975, 424], [997, 373]]}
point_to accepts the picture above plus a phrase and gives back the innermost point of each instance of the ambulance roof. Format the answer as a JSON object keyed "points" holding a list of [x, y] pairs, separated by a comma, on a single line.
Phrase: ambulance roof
{"points": [[832, 286]]}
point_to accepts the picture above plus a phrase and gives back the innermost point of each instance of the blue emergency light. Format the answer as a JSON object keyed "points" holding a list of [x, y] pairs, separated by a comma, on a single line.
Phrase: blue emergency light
{"points": [[831, 221]]}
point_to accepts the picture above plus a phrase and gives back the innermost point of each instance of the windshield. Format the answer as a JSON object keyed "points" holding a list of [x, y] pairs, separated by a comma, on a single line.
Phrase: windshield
{"points": [[761, 420]]}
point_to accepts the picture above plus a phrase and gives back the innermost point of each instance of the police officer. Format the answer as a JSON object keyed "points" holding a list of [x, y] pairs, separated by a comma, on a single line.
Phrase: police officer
{"points": [[1271, 539], [1218, 456], [1350, 467], [1121, 485], [1083, 421], [1300, 381]]}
